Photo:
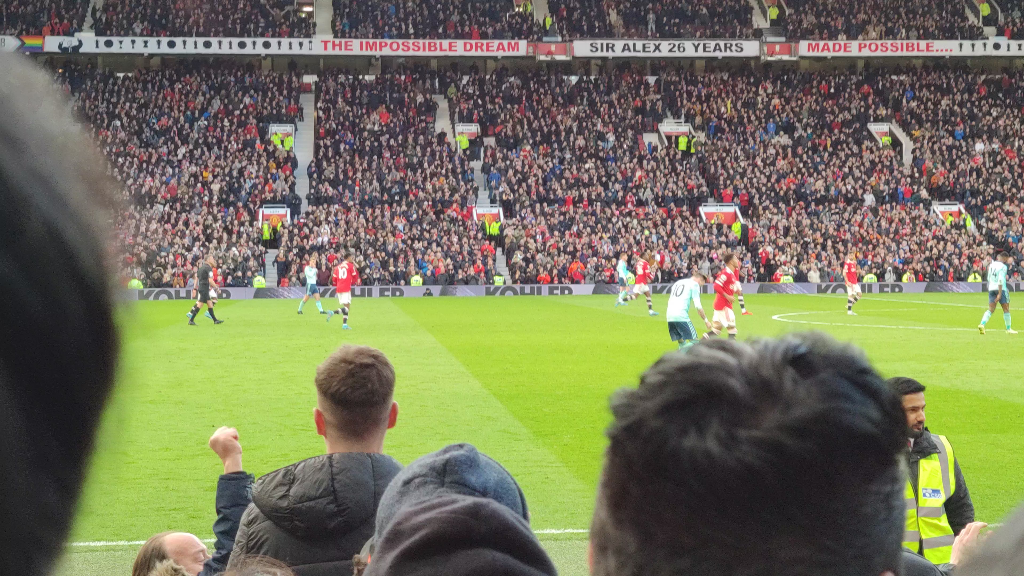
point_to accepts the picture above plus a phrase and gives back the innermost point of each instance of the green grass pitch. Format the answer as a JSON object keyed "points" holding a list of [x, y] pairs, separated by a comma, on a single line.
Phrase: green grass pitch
{"points": [[526, 379]]}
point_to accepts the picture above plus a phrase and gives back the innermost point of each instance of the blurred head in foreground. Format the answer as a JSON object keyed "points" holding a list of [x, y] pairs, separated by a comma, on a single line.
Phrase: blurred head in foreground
{"points": [[778, 457], [58, 340]]}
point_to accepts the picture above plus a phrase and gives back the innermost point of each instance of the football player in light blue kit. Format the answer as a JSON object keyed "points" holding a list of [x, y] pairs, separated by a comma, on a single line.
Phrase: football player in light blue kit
{"points": [[622, 274], [997, 271], [680, 328], [311, 288]]}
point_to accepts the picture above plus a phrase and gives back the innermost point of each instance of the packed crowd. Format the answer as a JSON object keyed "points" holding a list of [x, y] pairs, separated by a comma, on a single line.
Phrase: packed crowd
{"points": [[568, 157], [225, 18], [461, 19], [385, 186], [1013, 19], [576, 19], [189, 146], [879, 19], [576, 182], [45, 17]]}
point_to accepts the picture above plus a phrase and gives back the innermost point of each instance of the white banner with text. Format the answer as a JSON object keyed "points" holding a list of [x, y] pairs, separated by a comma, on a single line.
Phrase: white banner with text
{"points": [[282, 46], [910, 48], [667, 48]]}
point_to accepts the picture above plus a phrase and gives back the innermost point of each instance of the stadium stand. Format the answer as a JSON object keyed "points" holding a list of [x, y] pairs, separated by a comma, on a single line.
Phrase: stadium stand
{"points": [[569, 168], [58, 17], [462, 19], [230, 18], [388, 188], [576, 19], [189, 146], [878, 19]]}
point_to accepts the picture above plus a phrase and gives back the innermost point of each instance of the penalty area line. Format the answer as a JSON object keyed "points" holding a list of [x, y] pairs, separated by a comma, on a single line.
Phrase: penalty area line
{"points": [[113, 543], [782, 318]]}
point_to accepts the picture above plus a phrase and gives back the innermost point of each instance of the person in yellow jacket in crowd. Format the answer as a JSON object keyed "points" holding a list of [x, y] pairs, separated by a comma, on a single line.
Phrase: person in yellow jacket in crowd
{"points": [[870, 278], [974, 277], [416, 279], [259, 282], [938, 502], [463, 141], [908, 276]]}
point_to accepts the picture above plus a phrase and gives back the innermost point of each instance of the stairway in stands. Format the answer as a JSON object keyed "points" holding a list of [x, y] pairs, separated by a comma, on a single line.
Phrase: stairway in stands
{"points": [[305, 138]]}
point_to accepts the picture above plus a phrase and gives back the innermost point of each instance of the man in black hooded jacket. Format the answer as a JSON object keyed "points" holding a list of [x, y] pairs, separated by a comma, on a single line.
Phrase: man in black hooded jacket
{"points": [[315, 515]]}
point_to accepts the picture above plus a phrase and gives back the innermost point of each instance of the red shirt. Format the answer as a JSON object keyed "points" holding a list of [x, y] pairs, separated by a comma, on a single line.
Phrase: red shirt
{"points": [[725, 285], [850, 272], [643, 272], [344, 276]]}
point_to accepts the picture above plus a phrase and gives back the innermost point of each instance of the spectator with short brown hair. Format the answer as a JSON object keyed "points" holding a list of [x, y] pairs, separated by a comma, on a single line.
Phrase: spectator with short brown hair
{"points": [[316, 514]]}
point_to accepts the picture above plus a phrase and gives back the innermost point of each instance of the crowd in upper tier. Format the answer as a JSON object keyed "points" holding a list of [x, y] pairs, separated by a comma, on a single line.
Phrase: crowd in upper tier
{"points": [[508, 19], [879, 19], [574, 165], [227, 18]]}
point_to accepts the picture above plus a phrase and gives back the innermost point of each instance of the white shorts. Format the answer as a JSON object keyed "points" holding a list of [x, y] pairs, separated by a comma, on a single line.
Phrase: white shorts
{"points": [[853, 290], [641, 289], [213, 294], [344, 298], [725, 317]]}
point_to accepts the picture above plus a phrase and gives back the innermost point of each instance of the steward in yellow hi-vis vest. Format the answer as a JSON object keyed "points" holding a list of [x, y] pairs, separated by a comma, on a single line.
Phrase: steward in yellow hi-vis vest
{"points": [[938, 503]]}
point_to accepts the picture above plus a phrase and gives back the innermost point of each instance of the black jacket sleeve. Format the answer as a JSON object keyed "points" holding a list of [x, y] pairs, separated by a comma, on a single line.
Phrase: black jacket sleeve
{"points": [[234, 493], [959, 508]]}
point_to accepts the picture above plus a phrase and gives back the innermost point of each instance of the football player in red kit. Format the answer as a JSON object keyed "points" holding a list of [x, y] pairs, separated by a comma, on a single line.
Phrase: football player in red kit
{"points": [[725, 290], [344, 277], [852, 286], [644, 278]]}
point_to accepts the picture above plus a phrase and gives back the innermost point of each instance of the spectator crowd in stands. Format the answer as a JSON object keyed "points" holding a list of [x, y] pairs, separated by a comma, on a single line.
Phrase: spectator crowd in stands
{"points": [[879, 19], [577, 19], [570, 168], [190, 147], [226, 18], [461, 19], [45, 17]]}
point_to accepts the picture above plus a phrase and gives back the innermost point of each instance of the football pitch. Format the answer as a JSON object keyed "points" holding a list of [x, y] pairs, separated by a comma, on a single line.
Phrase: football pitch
{"points": [[525, 379]]}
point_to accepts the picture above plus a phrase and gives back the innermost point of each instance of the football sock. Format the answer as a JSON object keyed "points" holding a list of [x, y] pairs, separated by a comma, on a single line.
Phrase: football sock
{"points": [[849, 304], [212, 315], [344, 313], [984, 319], [192, 313], [650, 305], [743, 307], [301, 304], [1006, 319], [319, 306]]}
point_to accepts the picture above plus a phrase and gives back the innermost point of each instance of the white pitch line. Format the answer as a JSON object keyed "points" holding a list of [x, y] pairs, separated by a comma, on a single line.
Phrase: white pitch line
{"points": [[780, 318], [869, 298], [102, 543]]}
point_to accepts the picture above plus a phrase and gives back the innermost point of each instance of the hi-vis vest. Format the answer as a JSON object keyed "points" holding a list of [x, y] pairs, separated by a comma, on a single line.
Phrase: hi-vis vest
{"points": [[416, 280], [683, 141], [974, 277], [259, 282], [908, 277], [786, 279], [927, 529], [499, 280], [871, 278]]}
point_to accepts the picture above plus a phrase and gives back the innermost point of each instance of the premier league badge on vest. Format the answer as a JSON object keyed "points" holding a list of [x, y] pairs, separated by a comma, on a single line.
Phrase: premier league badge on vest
{"points": [[931, 493]]}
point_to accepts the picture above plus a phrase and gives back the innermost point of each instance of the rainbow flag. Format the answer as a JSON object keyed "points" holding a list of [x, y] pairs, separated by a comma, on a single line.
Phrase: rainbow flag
{"points": [[32, 43]]}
